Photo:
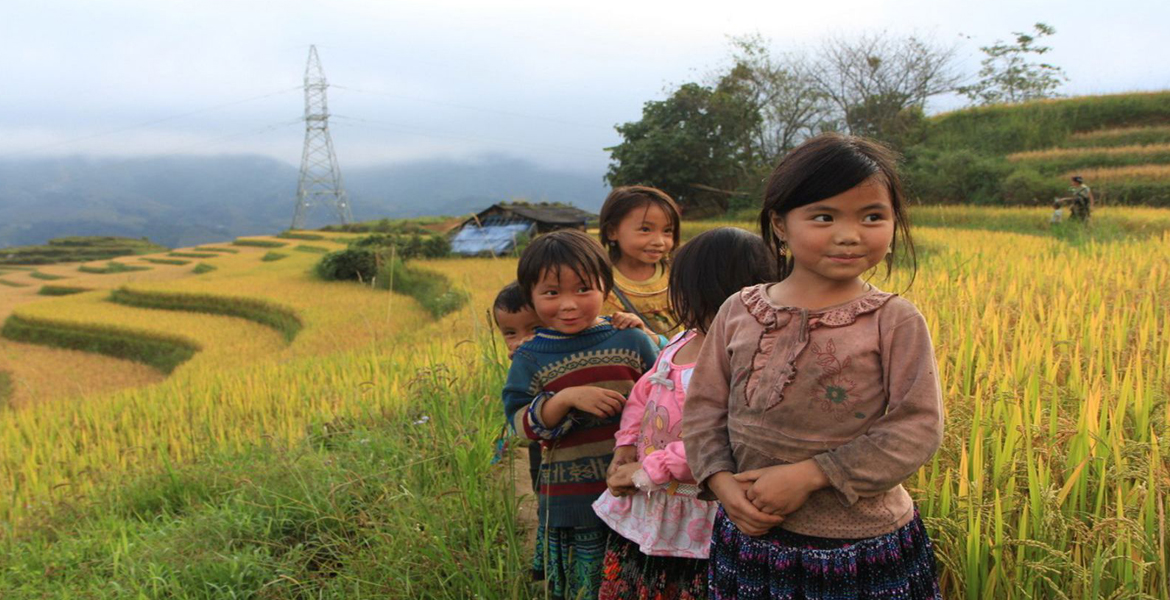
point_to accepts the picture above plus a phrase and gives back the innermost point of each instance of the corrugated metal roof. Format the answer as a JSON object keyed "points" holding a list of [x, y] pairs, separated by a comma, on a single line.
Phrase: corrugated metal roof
{"points": [[496, 239]]}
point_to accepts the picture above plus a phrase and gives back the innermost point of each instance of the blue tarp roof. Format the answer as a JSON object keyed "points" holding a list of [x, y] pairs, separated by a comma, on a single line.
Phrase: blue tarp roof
{"points": [[496, 239]]}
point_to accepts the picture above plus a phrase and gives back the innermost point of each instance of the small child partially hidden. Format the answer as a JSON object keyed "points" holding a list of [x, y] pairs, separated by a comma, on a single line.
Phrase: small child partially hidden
{"points": [[517, 322]]}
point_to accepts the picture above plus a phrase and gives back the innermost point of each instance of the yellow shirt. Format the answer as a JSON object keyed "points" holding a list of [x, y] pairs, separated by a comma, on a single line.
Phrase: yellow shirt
{"points": [[649, 296]]}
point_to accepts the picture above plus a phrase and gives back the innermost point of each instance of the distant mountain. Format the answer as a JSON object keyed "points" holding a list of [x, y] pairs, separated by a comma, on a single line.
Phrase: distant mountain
{"points": [[184, 201]]}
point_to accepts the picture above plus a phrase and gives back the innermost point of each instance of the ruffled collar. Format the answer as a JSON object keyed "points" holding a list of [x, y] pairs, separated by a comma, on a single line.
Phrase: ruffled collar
{"points": [[771, 315]]}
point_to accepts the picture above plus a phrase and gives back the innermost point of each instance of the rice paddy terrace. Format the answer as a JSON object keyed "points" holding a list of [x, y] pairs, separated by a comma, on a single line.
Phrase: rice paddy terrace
{"points": [[252, 431]]}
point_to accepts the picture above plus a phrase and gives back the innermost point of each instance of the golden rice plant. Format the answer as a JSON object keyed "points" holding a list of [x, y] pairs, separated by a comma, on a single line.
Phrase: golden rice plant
{"points": [[1061, 153], [1122, 174]]}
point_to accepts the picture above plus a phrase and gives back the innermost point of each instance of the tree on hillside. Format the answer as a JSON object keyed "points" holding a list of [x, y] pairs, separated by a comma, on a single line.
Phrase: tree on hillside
{"points": [[791, 108], [695, 145], [879, 83], [1008, 74]]}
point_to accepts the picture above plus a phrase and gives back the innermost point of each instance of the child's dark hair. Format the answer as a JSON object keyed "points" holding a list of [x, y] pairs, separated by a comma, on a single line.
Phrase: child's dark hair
{"points": [[621, 201], [510, 300], [566, 248], [825, 166], [713, 266]]}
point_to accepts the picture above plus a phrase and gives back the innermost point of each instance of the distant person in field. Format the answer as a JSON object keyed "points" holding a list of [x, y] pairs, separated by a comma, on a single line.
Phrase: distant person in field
{"points": [[517, 323], [1080, 199], [566, 389], [640, 227], [814, 398], [664, 530]]}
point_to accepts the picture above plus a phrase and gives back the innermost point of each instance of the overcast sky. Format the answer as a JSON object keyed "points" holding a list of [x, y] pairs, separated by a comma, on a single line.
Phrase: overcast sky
{"points": [[544, 81]]}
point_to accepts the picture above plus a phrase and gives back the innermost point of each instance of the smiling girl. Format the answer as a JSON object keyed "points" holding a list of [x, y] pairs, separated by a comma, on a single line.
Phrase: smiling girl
{"points": [[814, 398], [639, 227]]}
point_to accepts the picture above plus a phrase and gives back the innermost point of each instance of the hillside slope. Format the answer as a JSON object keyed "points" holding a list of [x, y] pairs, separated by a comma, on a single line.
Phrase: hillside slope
{"points": [[1025, 153]]}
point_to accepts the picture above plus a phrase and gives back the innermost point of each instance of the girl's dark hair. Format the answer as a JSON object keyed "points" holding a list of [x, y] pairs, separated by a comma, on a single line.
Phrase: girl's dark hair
{"points": [[825, 166], [565, 248], [621, 201], [713, 266]]}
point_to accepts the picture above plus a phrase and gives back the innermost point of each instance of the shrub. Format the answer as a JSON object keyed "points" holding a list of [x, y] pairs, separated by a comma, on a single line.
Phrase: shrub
{"points": [[259, 243], [406, 246], [202, 268], [955, 176], [167, 261], [311, 249], [112, 267], [193, 254], [60, 290], [296, 235], [351, 264], [1027, 186], [432, 290], [45, 276], [271, 256]]}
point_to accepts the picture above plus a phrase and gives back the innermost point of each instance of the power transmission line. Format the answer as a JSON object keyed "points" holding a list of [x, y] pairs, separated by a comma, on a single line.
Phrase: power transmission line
{"points": [[413, 130], [473, 108], [162, 120]]}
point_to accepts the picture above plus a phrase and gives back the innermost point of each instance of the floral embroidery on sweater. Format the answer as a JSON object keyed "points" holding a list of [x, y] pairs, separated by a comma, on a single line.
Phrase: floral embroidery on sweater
{"points": [[834, 384]]}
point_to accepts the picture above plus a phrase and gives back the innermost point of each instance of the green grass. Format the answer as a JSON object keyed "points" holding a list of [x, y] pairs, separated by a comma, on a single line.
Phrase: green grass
{"points": [[61, 290], [217, 249], [311, 249], [193, 254], [432, 290], [1124, 136], [296, 235], [271, 256], [167, 261], [1003, 129], [259, 243], [5, 388], [371, 506], [12, 283], [46, 276], [202, 268], [78, 249], [280, 318], [159, 351], [112, 267], [1086, 158]]}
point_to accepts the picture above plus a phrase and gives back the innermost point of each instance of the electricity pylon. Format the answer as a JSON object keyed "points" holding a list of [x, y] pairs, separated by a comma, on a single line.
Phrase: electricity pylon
{"points": [[320, 181]]}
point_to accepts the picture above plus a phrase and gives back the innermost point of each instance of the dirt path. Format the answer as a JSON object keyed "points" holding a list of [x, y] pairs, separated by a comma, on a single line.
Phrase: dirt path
{"points": [[523, 485]]}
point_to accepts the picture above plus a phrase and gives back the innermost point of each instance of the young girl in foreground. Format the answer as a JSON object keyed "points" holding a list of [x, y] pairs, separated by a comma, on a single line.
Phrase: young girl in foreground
{"points": [[815, 397], [663, 530], [639, 227]]}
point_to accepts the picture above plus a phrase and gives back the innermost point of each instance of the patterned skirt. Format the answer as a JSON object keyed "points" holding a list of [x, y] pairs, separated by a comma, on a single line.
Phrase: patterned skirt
{"points": [[782, 565], [569, 559], [631, 575]]}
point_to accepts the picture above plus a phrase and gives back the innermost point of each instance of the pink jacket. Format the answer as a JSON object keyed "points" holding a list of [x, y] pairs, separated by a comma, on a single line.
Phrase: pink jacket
{"points": [[652, 418]]}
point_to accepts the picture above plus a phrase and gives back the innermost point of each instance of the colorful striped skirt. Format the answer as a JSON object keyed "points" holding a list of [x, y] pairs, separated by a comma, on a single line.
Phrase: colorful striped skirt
{"points": [[631, 575], [782, 565]]}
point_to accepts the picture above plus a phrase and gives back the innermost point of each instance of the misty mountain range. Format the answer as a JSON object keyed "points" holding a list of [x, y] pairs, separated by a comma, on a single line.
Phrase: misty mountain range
{"points": [[185, 201]]}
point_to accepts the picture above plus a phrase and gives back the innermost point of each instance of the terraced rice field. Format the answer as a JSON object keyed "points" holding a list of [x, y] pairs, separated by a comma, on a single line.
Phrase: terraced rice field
{"points": [[1052, 480]]}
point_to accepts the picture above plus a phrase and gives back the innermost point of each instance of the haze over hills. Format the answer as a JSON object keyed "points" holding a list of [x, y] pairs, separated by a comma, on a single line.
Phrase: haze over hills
{"points": [[184, 201]]}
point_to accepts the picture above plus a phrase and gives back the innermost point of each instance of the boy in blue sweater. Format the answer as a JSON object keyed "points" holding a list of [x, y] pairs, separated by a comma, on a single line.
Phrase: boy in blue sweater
{"points": [[566, 388]]}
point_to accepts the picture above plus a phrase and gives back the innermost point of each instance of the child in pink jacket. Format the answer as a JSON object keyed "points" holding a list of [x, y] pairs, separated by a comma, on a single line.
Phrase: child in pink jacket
{"points": [[663, 529]]}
